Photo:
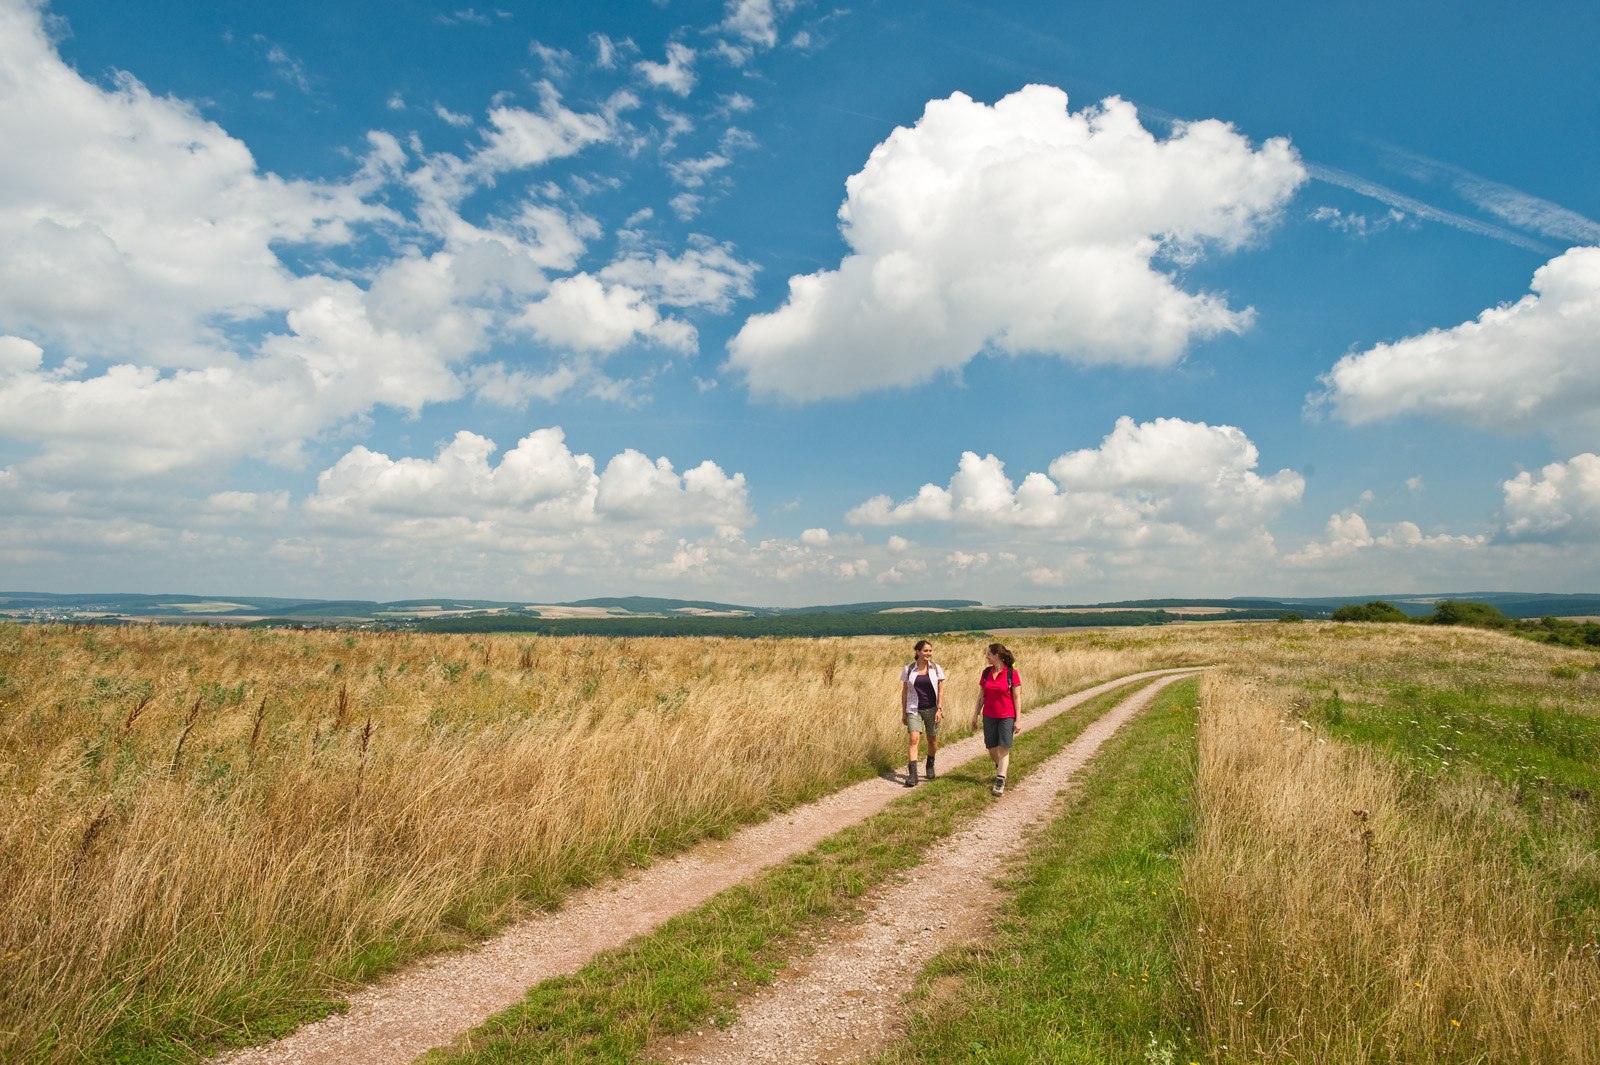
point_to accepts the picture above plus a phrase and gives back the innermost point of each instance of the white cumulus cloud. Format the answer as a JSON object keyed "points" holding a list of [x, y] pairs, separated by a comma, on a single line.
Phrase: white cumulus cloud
{"points": [[1164, 481], [1559, 505], [19, 356], [1529, 365], [539, 487], [1348, 535], [156, 330], [583, 313], [1025, 228], [128, 221]]}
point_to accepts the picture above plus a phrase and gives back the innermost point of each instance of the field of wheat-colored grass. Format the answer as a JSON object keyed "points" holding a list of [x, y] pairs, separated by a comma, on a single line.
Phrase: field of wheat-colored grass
{"points": [[208, 829], [208, 832]]}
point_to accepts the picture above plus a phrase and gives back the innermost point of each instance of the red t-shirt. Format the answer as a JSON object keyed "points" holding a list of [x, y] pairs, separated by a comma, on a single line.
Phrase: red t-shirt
{"points": [[996, 687]]}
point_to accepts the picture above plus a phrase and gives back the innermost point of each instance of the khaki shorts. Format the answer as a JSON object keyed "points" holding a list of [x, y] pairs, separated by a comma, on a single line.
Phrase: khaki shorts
{"points": [[923, 721]]}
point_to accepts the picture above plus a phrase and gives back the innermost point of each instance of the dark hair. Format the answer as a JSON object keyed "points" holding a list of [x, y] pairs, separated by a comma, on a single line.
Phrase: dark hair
{"points": [[920, 645], [1005, 656]]}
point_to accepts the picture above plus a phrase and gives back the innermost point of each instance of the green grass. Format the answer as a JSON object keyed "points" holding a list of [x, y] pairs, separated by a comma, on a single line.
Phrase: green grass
{"points": [[181, 1041], [1545, 759], [1434, 729], [690, 972], [1080, 969]]}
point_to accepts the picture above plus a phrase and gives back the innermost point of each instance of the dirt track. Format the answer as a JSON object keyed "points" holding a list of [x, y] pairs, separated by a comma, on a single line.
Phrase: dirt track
{"points": [[426, 1006], [843, 1002]]}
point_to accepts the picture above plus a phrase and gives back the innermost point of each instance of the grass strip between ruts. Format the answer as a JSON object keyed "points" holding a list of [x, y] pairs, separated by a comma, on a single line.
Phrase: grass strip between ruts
{"points": [[691, 971], [1080, 970]]}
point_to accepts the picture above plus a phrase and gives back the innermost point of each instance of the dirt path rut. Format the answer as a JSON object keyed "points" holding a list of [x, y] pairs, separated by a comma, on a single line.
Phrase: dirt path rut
{"points": [[428, 1005], [842, 1003]]}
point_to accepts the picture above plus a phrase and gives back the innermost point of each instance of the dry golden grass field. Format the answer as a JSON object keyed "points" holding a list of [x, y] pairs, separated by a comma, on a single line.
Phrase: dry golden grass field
{"points": [[206, 825]]}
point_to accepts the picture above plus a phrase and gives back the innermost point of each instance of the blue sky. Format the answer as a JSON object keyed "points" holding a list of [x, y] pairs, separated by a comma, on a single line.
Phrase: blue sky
{"points": [[786, 303]]}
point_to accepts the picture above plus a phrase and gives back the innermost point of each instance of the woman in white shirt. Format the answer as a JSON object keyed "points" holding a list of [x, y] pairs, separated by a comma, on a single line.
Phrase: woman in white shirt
{"points": [[922, 706]]}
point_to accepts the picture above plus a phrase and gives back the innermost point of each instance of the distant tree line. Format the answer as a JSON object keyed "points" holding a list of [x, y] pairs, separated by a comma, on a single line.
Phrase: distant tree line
{"points": [[1547, 629]]}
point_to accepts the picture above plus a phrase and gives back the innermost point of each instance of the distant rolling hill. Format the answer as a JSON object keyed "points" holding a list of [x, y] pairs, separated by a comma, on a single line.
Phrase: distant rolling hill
{"points": [[648, 614]]}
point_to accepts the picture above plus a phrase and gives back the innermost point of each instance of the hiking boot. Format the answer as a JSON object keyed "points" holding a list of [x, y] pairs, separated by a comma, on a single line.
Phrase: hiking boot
{"points": [[911, 774], [928, 768], [999, 787]]}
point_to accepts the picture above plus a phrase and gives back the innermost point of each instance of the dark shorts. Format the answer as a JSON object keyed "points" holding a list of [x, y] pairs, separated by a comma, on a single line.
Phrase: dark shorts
{"points": [[998, 731]]}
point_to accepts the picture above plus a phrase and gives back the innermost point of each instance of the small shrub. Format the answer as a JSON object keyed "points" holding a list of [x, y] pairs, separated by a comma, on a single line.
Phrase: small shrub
{"points": [[1477, 615], [1376, 610]]}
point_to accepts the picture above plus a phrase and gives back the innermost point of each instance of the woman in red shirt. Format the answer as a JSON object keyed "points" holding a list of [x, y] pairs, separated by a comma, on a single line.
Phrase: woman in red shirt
{"points": [[998, 705]]}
